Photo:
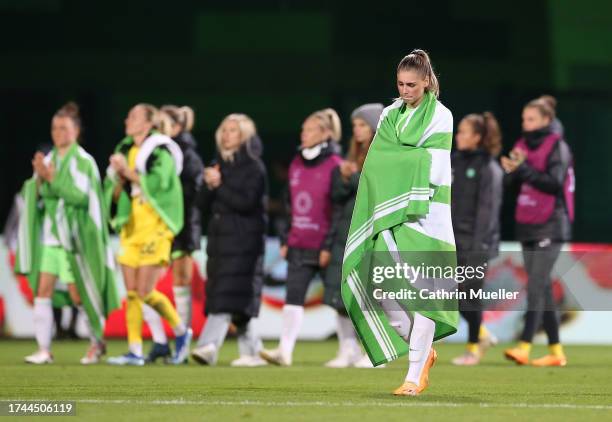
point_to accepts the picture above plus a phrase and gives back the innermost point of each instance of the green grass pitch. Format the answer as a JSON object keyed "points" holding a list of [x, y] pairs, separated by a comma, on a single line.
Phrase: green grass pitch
{"points": [[494, 391]]}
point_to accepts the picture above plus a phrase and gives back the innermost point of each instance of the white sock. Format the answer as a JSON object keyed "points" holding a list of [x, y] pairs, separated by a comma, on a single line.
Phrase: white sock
{"points": [[292, 322], [182, 299], [90, 333], [346, 335], [135, 348], [421, 339], [43, 322], [155, 324], [249, 343], [399, 319], [214, 333], [180, 329]]}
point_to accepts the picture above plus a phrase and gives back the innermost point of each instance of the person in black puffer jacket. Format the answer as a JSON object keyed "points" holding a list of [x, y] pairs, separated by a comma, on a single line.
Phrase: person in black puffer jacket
{"points": [[477, 191], [235, 192]]}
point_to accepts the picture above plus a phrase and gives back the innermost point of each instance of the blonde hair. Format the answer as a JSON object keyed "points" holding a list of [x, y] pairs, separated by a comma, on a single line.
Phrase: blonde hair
{"points": [[247, 128], [329, 120], [158, 119], [182, 116], [544, 106], [419, 60]]}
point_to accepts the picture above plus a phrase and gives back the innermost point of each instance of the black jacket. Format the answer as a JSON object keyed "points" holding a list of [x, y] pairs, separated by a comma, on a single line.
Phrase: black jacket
{"points": [[343, 194], [558, 227], [236, 234], [477, 192], [192, 181]]}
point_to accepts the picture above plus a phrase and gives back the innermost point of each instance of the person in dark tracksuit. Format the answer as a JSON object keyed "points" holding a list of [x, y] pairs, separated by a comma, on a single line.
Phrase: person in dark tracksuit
{"points": [[541, 162], [476, 202], [345, 179], [235, 192]]}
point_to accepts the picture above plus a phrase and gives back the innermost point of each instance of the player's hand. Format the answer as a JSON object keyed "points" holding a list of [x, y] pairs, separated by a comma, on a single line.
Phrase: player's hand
{"points": [[118, 162], [510, 164], [283, 251], [38, 164], [324, 258], [50, 174], [347, 169], [212, 177]]}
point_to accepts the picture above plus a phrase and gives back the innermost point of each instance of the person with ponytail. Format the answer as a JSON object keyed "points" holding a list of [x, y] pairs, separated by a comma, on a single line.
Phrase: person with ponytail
{"points": [[307, 244], [541, 163], [63, 236], [477, 191], [235, 193], [556, 126], [188, 239], [144, 195], [402, 217], [345, 180]]}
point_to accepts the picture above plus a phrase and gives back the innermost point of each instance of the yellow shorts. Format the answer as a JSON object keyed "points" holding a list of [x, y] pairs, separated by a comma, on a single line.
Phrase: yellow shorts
{"points": [[145, 239]]}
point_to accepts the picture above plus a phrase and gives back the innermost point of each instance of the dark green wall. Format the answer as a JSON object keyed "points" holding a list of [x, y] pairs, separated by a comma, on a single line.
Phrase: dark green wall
{"points": [[280, 60]]}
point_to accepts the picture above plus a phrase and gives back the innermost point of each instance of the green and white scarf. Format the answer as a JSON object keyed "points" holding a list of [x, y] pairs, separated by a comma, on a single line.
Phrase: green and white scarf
{"points": [[74, 201], [159, 163], [404, 190]]}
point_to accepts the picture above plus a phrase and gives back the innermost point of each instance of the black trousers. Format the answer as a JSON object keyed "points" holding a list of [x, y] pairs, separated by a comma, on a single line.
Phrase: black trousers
{"points": [[539, 258], [303, 266], [471, 307]]}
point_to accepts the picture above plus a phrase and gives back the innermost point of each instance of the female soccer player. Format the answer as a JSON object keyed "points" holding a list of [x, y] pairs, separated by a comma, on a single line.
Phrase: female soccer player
{"points": [[188, 239], [67, 238], [145, 195], [307, 246], [402, 212], [345, 179], [236, 195], [541, 162], [476, 202]]}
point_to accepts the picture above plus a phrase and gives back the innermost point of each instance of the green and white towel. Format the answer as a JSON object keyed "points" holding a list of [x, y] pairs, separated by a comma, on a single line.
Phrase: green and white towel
{"points": [[75, 202], [159, 163], [402, 205]]}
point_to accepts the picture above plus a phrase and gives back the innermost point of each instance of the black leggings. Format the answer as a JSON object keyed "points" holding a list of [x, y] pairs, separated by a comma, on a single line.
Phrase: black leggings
{"points": [[303, 266], [471, 308], [539, 258]]}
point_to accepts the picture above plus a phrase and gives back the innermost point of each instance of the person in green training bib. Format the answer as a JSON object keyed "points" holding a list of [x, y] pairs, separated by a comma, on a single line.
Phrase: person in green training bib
{"points": [[63, 236], [402, 219]]}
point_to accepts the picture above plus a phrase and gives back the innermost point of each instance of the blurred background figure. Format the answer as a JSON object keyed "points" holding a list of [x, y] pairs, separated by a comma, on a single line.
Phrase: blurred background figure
{"points": [[308, 242], [235, 193], [541, 162], [477, 192], [555, 126], [188, 239], [52, 238], [144, 194], [345, 179]]}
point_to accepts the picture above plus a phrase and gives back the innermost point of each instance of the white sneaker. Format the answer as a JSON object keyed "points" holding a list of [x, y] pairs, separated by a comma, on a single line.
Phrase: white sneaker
{"points": [[205, 355], [275, 357], [249, 361], [364, 362], [344, 359], [94, 353], [39, 358]]}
